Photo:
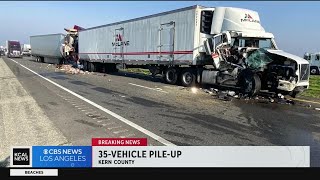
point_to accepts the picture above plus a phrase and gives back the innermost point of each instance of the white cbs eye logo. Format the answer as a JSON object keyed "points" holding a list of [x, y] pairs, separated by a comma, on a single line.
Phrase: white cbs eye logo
{"points": [[45, 151]]}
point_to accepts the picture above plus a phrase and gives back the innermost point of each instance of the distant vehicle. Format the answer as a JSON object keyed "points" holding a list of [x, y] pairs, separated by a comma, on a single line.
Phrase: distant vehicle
{"points": [[2, 51], [26, 50], [13, 49], [314, 60]]}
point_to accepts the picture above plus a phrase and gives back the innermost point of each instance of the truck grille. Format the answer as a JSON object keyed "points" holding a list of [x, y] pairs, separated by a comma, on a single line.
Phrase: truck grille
{"points": [[304, 72]]}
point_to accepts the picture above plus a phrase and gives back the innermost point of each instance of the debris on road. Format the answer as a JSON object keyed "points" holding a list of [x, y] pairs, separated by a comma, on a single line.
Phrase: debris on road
{"points": [[223, 95], [318, 109], [271, 100], [228, 95], [231, 93], [280, 96], [208, 91], [70, 70]]}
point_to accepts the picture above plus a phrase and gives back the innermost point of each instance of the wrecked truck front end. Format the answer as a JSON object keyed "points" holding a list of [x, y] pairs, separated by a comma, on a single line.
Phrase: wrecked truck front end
{"points": [[254, 64], [298, 79], [279, 71]]}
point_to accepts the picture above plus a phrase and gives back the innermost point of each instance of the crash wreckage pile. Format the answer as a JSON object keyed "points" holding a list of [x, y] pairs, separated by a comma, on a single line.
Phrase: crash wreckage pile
{"points": [[227, 95], [71, 70]]}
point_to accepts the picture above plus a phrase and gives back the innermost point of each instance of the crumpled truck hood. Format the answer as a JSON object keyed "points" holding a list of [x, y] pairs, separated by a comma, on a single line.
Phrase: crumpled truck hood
{"points": [[298, 59]]}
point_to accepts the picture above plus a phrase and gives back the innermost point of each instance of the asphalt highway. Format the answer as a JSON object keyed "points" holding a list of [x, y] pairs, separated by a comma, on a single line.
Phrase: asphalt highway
{"points": [[41, 105]]}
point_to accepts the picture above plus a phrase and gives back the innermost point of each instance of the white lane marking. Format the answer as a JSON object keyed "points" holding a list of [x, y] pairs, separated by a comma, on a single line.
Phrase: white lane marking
{"points": [[114, 127], [121, 131], [155, 89], [110, 123], [129, 135], [139, 128]]}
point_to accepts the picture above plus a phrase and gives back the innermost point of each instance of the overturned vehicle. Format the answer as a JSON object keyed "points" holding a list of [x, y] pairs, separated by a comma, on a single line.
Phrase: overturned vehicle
{"points": [[254, 64]]}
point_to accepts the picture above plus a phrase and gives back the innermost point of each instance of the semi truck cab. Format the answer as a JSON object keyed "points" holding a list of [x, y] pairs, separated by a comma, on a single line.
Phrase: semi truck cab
{"points": [[13, 49], [246, 56]]}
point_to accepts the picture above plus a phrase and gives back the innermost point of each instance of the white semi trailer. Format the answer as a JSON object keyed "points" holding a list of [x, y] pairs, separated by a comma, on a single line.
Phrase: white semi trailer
{"points": [[47, 48], [314, 60], [220, 46]]}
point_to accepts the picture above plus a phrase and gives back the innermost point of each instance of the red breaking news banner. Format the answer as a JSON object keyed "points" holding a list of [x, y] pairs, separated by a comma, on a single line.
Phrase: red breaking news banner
{"points": [[119, 142]]}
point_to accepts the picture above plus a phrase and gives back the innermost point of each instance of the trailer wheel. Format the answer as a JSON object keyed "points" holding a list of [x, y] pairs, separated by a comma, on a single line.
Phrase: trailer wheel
{"points": [[250, 83], [91, 66], [188, 78], [314, 70], [85, 65], [171, 76]]}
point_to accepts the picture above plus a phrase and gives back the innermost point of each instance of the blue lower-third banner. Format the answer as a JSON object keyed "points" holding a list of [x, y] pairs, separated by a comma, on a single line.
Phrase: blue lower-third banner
{"points": [[61, 156]]}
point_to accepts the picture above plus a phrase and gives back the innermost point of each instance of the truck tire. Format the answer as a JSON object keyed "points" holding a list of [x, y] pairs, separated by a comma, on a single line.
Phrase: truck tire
{"points": [[250, 83], [91, 67], [85, 65], [188, 78], [314, 70], [171, 76]]}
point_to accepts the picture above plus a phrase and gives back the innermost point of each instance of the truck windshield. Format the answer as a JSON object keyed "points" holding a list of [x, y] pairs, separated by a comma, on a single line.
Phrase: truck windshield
{"points": [[15, 46], [264, 43]]}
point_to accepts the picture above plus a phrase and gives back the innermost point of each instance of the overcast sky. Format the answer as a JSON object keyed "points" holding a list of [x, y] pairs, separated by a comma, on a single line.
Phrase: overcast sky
{"points": [[296, 25]]}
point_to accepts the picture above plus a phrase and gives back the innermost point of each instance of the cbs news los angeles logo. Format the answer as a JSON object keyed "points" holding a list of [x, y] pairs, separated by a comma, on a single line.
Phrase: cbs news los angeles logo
{"points": [[21, 156]]}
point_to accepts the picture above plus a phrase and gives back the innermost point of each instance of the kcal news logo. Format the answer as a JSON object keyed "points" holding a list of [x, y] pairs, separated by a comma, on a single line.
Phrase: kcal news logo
{"points": [[21, 156]]}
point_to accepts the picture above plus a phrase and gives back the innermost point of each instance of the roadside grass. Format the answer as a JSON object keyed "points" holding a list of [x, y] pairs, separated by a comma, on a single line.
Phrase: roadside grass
{"points": [[314, 88], [138, 70]]}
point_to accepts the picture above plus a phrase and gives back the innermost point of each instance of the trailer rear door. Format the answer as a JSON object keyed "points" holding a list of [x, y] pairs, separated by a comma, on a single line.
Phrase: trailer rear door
{"points": [[166, 42]]}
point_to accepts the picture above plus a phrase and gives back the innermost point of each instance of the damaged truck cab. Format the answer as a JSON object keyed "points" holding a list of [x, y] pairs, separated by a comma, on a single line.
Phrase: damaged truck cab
{"points": [[247, 57]]}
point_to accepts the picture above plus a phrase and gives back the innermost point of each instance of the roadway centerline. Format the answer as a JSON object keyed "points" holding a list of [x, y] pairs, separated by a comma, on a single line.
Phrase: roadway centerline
{"points": [[135, 126], [155, 89]]}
